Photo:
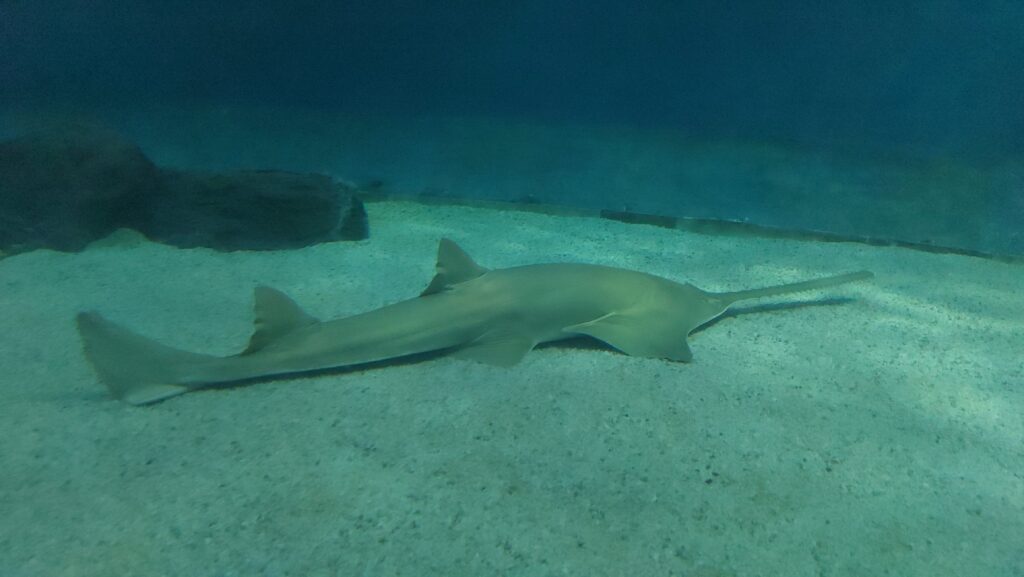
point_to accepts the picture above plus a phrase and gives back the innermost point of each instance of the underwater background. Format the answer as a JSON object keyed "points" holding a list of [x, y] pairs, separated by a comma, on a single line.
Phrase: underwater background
{"points": [[860, 118], [873, 428]]}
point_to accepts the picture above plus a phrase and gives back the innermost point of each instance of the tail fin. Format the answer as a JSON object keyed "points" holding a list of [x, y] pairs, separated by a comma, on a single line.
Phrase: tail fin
{"points": [[796, 287], [136, 369]]}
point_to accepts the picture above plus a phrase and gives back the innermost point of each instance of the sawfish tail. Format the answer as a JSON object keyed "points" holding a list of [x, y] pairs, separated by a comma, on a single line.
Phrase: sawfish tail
{"points": [[815, 284], [135, 369]]}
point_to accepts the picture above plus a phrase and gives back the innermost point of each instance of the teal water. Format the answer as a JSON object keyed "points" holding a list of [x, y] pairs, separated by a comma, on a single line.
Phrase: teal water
{"points": [[870, 429]]}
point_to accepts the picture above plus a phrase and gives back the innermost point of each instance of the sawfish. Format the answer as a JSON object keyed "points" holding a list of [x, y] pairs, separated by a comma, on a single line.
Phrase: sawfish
{"points": [[491, 316]]}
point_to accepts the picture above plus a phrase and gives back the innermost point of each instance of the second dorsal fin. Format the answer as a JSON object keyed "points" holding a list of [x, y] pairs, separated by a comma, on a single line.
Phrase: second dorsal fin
{"points": [[454, 266], [276, 315]]}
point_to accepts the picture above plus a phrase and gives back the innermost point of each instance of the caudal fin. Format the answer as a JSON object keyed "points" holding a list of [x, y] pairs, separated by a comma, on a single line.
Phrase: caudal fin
{"points": [[135, 369]]}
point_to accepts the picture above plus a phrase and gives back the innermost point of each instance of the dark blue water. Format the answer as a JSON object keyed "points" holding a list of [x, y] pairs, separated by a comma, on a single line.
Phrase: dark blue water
{"points": [[918, 79]]}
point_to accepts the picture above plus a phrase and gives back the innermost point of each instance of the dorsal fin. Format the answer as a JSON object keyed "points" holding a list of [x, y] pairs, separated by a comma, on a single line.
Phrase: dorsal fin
{"points": [[453, 267], [276, 315]]}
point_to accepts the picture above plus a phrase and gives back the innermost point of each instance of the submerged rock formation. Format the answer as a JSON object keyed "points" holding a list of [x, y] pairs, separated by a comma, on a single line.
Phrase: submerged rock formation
{"points": [[65, 187], [252, 210]]}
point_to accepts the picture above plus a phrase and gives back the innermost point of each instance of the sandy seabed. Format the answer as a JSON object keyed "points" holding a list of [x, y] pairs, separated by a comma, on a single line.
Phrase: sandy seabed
{"points": [[876, 429]]}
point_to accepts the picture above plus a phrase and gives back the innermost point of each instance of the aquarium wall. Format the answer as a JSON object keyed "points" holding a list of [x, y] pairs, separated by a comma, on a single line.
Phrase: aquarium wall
{"points": [[865, 119]]}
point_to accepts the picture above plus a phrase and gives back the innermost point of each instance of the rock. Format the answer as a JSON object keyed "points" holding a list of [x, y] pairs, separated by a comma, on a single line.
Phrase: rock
{"points": [[65, 187], [253, 210]]}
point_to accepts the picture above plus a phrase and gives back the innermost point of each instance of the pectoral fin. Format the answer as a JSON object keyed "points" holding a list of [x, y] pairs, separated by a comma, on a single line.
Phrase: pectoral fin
{"points": [[638, 336]]}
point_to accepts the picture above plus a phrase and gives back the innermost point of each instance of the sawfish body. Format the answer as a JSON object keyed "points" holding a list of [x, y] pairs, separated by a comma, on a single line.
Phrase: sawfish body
{"points": [[492, 316]]}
